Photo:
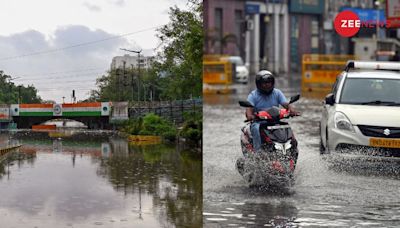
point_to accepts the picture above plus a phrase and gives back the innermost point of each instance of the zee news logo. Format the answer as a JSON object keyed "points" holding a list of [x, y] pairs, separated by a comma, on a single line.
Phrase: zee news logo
{"points": [[347, 23], [350, 23]]}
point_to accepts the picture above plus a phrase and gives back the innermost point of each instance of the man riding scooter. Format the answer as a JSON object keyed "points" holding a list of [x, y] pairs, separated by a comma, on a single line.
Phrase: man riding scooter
{"points": [[263, 97]]}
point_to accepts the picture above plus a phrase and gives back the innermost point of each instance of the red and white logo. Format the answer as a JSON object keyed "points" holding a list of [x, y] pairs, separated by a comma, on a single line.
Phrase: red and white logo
{"points": [[347, 23]]}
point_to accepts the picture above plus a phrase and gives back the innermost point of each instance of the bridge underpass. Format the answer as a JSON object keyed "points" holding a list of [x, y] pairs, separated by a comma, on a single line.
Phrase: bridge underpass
{"points": [[90, 122], [94, 115]]}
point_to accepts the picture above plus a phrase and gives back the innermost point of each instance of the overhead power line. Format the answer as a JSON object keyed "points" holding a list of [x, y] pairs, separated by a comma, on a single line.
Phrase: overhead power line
{"points": [[76, 45], [79, 81], [63, 91], [61, 72], [96, 73]]}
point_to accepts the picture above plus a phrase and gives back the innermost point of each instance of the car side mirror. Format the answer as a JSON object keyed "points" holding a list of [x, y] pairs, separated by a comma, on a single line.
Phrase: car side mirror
{"points": [[330, 99]]}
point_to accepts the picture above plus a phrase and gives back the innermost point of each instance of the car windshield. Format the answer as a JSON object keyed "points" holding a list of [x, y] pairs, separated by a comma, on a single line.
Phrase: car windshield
{"points": [[236, 60], [371, 91]]}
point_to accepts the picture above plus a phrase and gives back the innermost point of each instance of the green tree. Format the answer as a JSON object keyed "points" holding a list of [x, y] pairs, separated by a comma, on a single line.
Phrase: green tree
{"points": [[119, 85], [192, 128], [156, 125], [29, 94], [6, 87], [181, 56], [176, 72], [10, 93]]}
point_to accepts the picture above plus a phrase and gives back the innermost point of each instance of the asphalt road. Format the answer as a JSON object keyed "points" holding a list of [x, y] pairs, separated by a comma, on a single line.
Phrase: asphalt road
{"points": [[330, 191]]}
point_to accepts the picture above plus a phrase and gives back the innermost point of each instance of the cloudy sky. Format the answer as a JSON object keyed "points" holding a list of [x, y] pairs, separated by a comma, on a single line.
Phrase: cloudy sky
{"points": [[63, 45]]}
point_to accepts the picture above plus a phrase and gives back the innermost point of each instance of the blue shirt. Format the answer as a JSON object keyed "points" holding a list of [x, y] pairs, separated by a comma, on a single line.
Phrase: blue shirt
{"points": [[262, 102]]}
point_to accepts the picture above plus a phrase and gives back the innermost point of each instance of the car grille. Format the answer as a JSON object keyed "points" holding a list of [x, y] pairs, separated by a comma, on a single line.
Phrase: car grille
{"points": [[374, 131]]}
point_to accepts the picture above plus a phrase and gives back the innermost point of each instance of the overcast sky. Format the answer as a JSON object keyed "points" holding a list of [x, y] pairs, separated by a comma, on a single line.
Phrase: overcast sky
{"points": [[52, 27]]}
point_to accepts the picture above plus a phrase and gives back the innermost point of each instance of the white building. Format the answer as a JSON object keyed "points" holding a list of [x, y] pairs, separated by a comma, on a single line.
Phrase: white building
{"points": [[131, 62], [267, 36]]}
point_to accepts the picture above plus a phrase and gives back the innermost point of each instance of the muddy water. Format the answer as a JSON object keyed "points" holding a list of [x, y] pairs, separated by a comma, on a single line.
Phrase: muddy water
{"points": [[329, 191], [98, 182]]}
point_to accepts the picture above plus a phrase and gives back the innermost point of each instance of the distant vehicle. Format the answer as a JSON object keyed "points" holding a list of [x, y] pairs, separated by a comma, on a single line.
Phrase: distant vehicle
{"points": [[363, 110], [242, 73], [217, 70]]}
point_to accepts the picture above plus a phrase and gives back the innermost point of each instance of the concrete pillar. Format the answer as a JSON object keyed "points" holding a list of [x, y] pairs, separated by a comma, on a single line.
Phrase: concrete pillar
{"points": [[253, 38], [285, 39], [277, 37], [279, 61], [256, 56], [247, 47]]}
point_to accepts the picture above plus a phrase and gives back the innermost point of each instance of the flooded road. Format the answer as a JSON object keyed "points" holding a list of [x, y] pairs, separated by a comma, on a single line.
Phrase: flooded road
{"points": [[98, 181], [329, 191]]}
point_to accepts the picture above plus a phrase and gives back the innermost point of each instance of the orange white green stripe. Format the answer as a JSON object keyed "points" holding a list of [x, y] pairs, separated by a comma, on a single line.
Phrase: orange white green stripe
{"points": [[62, 110]]}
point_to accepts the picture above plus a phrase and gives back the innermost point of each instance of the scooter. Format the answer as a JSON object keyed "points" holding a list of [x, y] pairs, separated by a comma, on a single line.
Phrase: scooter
{"points": [[275, 163]]}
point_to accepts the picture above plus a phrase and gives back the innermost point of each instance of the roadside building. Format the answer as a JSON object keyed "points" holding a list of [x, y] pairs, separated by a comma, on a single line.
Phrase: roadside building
{"points": [[370, 43], [306, 37], [224, 25], [131, 62], [333, 43], [274, 34], [255, 30]]}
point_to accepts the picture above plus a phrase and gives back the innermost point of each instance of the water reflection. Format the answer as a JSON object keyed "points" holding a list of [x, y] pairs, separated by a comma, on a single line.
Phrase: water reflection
{"points": [[253, 215], [18, 159], [61, 182], [174, 181]]}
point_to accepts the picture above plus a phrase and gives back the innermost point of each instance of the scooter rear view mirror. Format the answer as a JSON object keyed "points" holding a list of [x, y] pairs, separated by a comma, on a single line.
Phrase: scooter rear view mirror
{"points": [[245, 104], [294, 98]]}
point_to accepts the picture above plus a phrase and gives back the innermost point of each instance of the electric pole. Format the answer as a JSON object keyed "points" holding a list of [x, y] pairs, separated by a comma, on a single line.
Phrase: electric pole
{"points": [[73, 96], [19, 94], [132, 82], [138, 63], [124, 79]]}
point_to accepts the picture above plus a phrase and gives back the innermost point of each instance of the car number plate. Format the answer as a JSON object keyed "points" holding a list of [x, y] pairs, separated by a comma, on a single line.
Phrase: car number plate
{"points": [[379, 142]]}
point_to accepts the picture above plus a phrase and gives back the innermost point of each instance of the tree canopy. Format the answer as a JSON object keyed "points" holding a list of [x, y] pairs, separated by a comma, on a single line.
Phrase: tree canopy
{"points": [[12, 94], [181, 54], [176, 71]]}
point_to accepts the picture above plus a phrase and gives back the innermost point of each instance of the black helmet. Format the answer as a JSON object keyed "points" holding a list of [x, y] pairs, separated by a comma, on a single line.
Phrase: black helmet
{"points": [[265, 76]]}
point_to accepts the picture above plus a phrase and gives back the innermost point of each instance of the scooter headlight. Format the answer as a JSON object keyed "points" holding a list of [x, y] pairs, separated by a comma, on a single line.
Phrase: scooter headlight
{"points": [[283, 146], [279, 146], [342, 122], [288, 145]]}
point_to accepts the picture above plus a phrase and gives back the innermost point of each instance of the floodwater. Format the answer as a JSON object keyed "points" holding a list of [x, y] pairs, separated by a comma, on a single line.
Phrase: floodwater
{"points": [[98, 181], [329, 190]]}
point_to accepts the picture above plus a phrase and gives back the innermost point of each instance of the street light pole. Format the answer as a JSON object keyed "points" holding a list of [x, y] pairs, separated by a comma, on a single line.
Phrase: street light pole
{"points": [[132, 82], [137, 52]]}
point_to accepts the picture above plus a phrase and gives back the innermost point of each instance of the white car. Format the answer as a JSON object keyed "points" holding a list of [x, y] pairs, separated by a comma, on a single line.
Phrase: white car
{"points": [[363, 110], [242, 73]]}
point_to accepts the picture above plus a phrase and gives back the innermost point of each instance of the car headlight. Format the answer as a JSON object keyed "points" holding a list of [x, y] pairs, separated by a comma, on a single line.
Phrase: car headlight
{"points": [[342, 122]]}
